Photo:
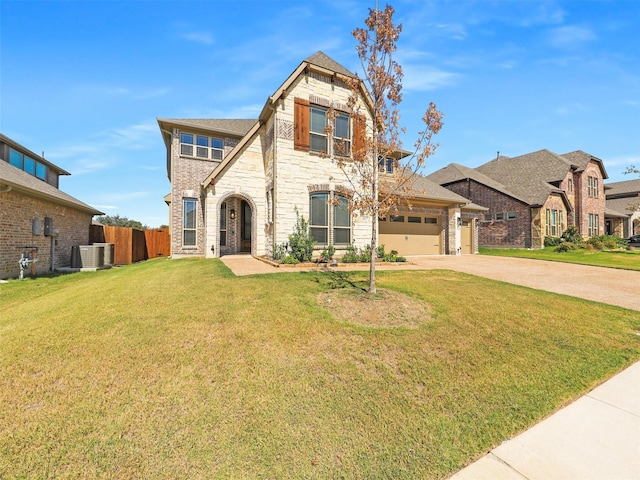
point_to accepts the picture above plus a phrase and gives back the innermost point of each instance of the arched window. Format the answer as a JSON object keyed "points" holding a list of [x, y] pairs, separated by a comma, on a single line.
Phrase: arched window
{"points": [[329, 218]]}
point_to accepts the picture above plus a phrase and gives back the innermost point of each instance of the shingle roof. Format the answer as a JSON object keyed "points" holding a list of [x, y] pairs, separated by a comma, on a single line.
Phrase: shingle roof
{"points": [[529, 176], [581, 160], [322, 60], [22, 181], [620, 188], [623, 205], [236, 127], [423, 188], [455, 172]]}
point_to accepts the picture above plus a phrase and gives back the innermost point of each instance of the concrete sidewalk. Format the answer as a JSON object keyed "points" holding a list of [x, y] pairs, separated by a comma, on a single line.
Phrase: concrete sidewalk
{"points": [[595, 438]]}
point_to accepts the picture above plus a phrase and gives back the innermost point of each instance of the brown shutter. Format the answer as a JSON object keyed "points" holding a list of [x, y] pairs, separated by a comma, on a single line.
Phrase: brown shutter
{"points": [[359, 133], [301, 124]]}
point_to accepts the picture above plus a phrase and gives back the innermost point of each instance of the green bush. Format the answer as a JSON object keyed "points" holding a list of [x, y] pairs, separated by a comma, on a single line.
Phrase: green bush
{"points": [[300, 241], [566, 247], [279, 251], [550, 241], [572, 235], [364, 254], [351, 255], [289, 260]]}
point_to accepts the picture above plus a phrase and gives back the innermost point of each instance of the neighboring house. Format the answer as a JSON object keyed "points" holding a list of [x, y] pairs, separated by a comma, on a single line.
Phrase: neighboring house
{"points": [[623, 208], [35, 213], [236, 185], [532, 196]]}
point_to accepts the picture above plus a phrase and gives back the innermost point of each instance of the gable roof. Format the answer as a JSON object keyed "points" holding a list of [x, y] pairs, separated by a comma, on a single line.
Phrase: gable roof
{"points": [[427, 189], [231, 126], [320, 59], [24, 182], [581, 160], [624, 206], [455, 172], [530, 176]]}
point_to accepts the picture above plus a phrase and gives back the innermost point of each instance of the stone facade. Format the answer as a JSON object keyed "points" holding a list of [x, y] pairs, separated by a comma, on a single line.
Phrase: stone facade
{"points": [[265, 179]]}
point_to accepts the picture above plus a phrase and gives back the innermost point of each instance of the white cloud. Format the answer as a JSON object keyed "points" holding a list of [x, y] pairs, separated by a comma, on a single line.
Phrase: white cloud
{"points": [[424, 78], [203, 38], [570, 37]]}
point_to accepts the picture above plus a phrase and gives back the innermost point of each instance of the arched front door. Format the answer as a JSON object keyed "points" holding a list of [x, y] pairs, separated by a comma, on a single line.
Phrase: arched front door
{"points": [[245, 227]]}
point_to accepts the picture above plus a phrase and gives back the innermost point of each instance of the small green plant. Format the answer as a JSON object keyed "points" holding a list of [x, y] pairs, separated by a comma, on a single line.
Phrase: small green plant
{"points": [[351, 255], [279, 251], [300, 241], [289, 260], [364, 254], [380, 251], [327, 253]]}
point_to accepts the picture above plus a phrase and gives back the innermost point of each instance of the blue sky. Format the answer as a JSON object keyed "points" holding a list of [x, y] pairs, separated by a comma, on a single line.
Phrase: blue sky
{"points": [[84, 80]]}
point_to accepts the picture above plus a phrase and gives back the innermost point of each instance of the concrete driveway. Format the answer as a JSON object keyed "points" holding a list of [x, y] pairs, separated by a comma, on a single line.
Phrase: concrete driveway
{"points": [[606, 285]]}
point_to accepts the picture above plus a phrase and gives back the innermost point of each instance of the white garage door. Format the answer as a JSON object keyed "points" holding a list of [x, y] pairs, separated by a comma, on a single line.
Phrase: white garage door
{"points": [[411, 234]]}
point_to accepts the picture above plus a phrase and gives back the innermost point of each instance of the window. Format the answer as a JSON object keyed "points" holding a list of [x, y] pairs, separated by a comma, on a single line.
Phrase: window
{"points": [[396, 218], [223, 224], [511, 215], [570, 185], [189, 222], [385, 165], [317, 134], [593, 227], [28, 164], [211, 148], [329, 225], [554, 222], [342, 135], [488, 217], [499, 216], [431, 220], [592, 186], [414, 219]]}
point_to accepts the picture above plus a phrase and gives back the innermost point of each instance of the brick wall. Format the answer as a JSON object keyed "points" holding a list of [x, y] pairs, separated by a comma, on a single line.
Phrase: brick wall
{"points": [[17, 211], [590, 204], [497, 233]]}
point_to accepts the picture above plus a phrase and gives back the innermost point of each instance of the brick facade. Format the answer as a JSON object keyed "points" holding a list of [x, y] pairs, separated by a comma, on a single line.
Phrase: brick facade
{"points": [[17, 212], [493, 231]]}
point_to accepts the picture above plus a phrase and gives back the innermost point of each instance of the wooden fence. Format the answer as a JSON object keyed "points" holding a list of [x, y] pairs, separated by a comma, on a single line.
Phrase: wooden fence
{"points": [[132, 245]]}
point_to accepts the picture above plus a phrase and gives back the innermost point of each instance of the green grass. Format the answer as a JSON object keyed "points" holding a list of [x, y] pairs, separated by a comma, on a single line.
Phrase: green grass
{"points": [[624, 259], [178, 369]]}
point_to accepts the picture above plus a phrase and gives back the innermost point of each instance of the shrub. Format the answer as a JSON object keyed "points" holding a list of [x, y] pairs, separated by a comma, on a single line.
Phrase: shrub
{"points": [[300, 241], [351, 255], [364, 254], [566, 247], [572, 235], [550, 241], [327, 253], [289, 260], [279, 251]]}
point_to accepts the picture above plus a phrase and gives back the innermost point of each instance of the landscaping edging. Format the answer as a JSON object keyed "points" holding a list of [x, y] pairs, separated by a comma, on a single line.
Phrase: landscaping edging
{"points": [[326, 265]]}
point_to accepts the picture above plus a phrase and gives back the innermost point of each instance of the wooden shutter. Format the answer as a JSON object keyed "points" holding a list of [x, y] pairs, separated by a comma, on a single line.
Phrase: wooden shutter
{"points": [[359, 133], [301, 124]]}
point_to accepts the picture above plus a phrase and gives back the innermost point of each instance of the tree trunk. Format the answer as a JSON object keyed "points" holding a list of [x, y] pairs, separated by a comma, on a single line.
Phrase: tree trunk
{"points": [[374, 222]]}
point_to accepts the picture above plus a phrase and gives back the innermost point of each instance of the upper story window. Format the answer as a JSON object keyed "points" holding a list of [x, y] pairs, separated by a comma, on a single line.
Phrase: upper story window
{"points": [[28, 164], [592, 186], [201, 146], [570, 185], [318, 138], [385, 165], [310, 130]]}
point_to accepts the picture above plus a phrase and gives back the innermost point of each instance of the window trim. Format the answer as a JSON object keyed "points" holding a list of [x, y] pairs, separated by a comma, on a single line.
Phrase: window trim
{"points": [[333, 199], [196, 148], [188, 229]]}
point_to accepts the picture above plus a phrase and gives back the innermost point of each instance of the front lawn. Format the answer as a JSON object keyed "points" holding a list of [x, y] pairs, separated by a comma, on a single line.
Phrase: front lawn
{"points": [[178, 369], [625, 259]]}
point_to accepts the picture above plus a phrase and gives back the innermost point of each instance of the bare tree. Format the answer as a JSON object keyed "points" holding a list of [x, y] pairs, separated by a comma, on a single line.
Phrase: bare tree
{"points": [[377, 146]]}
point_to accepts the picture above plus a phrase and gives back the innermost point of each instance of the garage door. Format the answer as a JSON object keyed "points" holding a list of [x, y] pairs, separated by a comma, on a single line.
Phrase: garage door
{"points": [[411, 234]]}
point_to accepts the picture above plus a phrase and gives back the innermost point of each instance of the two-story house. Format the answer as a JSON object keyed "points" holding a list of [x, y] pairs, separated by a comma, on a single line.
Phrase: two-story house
{"points": [[532, 196], [237, 185], [36, 217]]}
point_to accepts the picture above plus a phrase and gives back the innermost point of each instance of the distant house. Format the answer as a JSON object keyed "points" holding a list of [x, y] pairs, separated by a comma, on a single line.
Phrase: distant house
{"points": [[236, 184], [532, 196], [623, 208], [35, 213]]}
